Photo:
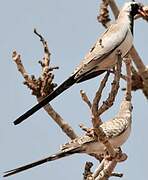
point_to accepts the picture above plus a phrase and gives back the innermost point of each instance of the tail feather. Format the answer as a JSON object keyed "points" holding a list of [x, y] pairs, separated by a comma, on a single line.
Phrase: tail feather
{"points": [[90, 75], [65, 85], [42, 161]]}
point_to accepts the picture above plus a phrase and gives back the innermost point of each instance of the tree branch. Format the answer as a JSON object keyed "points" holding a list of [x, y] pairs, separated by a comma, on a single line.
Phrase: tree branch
{"points": [[115, 87], [44, 85]]}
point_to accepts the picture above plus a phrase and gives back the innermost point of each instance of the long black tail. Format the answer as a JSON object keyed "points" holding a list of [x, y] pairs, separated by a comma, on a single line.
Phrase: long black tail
{"points": [[65, 85], [42, 161]]}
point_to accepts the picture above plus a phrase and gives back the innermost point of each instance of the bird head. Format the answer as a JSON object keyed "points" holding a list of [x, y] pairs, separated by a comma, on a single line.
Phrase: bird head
{"points": [[135, 8]]}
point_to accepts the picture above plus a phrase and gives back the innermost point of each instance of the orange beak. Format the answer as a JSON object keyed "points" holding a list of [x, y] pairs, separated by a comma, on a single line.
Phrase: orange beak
{"points": [[144, 13]]}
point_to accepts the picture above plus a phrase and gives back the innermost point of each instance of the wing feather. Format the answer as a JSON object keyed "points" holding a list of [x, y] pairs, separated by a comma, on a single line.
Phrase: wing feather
{"points": [[108, 42]]}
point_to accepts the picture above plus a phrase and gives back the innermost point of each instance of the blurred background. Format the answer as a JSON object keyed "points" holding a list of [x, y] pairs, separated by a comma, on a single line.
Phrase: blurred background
{"points": [[71, 28]]}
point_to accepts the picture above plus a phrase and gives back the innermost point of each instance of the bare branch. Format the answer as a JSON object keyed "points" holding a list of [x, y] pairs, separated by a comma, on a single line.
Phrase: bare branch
{"points": [[87, 175], [99, 169], [114, 90], [103, 16], [137, 82], [89, 131], [107, 171], [98, 95], [117, 174], [44, 85], [114, 8], [122, 76], [129, 86], [85, 98], [65, 127], [29, 81]]}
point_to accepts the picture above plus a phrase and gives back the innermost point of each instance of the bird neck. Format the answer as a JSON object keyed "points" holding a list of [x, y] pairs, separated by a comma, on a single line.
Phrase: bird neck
{"points": [[127, 17], [131, 17]]}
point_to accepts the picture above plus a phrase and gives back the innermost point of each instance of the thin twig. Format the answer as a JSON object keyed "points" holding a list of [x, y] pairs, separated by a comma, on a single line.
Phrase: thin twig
{"points": [[43, 85], [117, 174], [29, 81], [103, 16], [65, 127], [98, 169], [122, 76], [85, 98], [114, 90], [98, 95], [87, 175]]}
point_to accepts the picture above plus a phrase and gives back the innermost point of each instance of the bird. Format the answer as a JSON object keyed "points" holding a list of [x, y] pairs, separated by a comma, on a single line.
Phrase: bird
{"points": [[101, 57], [117, 130]]}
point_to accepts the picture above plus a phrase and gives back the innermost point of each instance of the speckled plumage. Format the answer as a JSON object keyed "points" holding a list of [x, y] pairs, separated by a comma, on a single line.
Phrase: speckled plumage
{"points": [[117, 130]]}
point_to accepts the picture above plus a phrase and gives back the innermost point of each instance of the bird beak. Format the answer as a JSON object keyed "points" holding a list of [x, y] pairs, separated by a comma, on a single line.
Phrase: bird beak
{"points": [[144, 12]]}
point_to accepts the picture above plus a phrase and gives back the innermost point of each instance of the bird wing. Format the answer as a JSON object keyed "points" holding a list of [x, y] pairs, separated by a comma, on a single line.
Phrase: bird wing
{"points": [[78, 142], [115, 127], [106, 44]]}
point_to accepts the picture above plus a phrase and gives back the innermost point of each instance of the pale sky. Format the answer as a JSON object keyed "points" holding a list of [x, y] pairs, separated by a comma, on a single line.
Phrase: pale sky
{"points": [[71, 28]]}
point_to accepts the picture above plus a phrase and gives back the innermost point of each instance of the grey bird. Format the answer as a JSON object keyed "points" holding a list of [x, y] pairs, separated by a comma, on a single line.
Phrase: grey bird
{"points": [[102, 57], [117, 131]]}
